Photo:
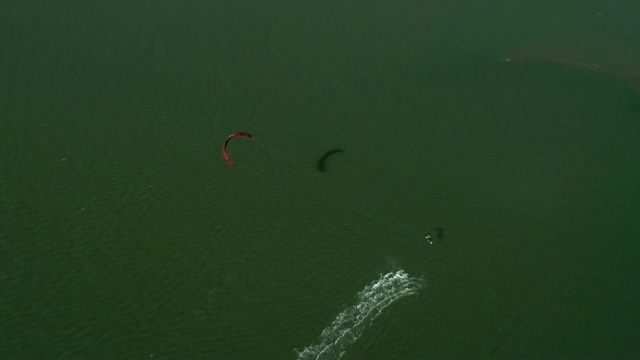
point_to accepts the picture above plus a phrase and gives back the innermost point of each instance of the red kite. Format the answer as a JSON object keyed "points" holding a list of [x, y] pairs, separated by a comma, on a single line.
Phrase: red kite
{"points": [[224, 147]]}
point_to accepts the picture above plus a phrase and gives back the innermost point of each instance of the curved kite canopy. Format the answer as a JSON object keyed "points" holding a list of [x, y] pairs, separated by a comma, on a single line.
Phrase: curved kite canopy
{"points": [[224, 147]]}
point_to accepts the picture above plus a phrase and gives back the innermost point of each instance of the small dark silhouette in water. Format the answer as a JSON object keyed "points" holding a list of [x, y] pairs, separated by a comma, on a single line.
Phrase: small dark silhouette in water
{"points": [[321, 163], [428, 237]]}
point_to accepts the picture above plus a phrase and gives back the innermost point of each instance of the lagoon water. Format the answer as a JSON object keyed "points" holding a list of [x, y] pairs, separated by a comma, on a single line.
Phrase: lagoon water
{"points": [[510, 132]]}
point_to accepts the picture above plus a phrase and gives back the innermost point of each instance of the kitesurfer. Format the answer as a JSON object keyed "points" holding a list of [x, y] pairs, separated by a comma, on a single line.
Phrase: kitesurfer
{"points": [[428, 237]]}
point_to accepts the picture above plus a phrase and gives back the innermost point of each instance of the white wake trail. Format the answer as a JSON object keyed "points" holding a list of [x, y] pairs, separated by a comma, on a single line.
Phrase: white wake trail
{"points": [[349, 325]]}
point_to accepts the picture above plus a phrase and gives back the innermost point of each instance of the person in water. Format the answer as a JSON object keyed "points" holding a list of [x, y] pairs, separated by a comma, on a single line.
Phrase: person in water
{"points": [[428, 237]]}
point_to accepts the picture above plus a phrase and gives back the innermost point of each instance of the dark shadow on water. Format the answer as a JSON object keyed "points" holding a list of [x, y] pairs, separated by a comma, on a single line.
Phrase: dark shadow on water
{"points": [[322, 162]]}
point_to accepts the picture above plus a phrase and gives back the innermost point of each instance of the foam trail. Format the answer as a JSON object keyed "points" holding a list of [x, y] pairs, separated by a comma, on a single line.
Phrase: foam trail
{"points": [[351, 323]]}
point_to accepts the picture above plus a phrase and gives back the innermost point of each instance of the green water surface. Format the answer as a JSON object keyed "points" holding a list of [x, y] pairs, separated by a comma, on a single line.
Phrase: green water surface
{"points": [[125, 235]]}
